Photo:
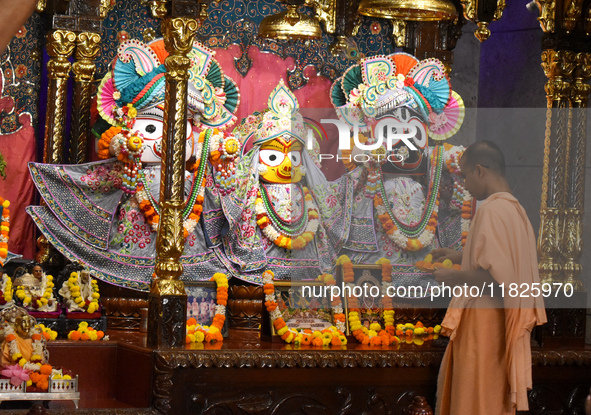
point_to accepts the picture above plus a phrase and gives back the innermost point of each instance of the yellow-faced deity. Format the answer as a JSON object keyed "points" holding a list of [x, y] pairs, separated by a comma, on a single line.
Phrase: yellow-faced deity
{"points": [[281, 161]]}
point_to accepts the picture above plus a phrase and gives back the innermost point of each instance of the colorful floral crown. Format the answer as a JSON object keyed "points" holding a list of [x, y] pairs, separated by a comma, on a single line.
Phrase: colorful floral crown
{"points": [[137, 78], [282, 117], [380, 84]]}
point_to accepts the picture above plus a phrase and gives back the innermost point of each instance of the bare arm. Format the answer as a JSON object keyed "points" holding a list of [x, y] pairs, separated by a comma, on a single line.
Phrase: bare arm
{"points": [[441, 254], [13, 14], [455, 277]]}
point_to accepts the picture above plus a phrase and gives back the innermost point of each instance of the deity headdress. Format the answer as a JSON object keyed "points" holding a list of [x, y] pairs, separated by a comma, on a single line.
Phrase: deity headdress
{"points": [[381, 84], [137, 78]]}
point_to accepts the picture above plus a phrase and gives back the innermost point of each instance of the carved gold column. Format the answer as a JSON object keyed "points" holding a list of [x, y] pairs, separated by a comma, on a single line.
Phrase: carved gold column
{"points": [[558, 67], [179, 35], [573, 220], [60, 44], [87, 48]]}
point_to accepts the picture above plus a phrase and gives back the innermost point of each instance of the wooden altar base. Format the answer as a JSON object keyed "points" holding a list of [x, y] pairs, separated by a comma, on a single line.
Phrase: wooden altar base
{"points": [[245, 376]]}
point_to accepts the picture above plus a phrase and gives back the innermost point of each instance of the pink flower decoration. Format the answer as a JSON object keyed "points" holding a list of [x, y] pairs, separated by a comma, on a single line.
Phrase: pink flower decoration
{"points": [[16, 374]]}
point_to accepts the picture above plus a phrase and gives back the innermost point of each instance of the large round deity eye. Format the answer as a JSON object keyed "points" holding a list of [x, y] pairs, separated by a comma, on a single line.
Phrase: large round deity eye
{"points": [[295, 157], [149, 128], [271, 158]]}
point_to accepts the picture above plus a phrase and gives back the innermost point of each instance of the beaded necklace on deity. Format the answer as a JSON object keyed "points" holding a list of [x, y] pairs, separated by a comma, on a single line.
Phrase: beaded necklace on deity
{"points": [[288, 234], [223, 160], [194, 205], [413, 237]]}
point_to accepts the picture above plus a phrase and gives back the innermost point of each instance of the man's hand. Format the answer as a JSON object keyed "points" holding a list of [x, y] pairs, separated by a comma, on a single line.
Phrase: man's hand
{"points": [[441, 254], [449, 276]]}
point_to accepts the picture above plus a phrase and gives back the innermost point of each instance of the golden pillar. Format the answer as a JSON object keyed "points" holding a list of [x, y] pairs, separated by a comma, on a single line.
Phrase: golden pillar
{"points": [[572, 245], [168, 301], [558, 67], [60, 44], [87, 48]]}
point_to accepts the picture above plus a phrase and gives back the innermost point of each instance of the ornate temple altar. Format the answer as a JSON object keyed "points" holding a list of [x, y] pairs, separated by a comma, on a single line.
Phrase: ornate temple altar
{"points": [[250, 53]]}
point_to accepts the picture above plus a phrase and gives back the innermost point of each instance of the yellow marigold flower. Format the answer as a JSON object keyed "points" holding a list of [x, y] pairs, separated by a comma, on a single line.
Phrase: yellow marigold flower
{"points": [[437, 329], [199, 336], [375, 327], [372, 333]]}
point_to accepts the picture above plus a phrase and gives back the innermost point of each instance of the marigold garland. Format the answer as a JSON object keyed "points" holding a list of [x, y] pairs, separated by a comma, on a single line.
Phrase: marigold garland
{"points": [[86, 333], [280, 237], [35, 301], [374, 336], [194, 206], [196, 333], [318, 338], [417, 333], [6, 292], [4, 229], [91, 302]]}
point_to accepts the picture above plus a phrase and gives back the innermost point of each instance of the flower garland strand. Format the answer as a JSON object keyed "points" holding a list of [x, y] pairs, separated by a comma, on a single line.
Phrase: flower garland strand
{"points": [[91, 302], [318, 338], [374, 336], [6, 293], [413, 238], [288, 237], [417, 333], [194, 205], [35, 301], [86, 333], [4, 229], [196, 333]]}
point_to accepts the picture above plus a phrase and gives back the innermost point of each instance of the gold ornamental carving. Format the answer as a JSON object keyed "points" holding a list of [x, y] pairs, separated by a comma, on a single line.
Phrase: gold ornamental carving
{"points": [[41, 5], [558, 67], [158, 8], [572, 12], [483, 32], [87, 49], [580, 87], [548, 245], [572, 247], [547, 15], [60, 44], [399, 32], [105, 7], [325, 12], [469, 9], [501, 5], [179, 35]]}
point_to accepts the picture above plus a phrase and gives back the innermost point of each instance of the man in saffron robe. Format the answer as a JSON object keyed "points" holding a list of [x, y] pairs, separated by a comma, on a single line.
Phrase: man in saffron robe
{"points": [[486, 369]]}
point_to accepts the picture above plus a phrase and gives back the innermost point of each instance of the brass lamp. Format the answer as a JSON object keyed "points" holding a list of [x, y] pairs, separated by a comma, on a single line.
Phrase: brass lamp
{"points": [[290, 24], [416, 10]]}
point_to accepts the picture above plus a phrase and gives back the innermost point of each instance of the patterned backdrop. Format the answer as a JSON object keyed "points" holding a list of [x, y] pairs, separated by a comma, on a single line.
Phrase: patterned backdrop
{"points": [[231, 28]]}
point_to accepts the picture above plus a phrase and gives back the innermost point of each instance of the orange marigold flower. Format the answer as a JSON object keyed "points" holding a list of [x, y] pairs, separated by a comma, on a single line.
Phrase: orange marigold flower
{"points": [[46, 369]]}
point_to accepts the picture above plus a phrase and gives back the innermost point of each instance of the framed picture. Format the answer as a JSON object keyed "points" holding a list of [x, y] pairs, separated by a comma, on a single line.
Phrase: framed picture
{"points": [[201, 302], [366, 293], [303, 305]]}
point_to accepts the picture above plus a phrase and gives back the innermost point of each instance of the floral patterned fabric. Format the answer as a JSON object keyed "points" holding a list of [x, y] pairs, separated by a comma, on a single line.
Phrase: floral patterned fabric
{"points": [[89, 219]]}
